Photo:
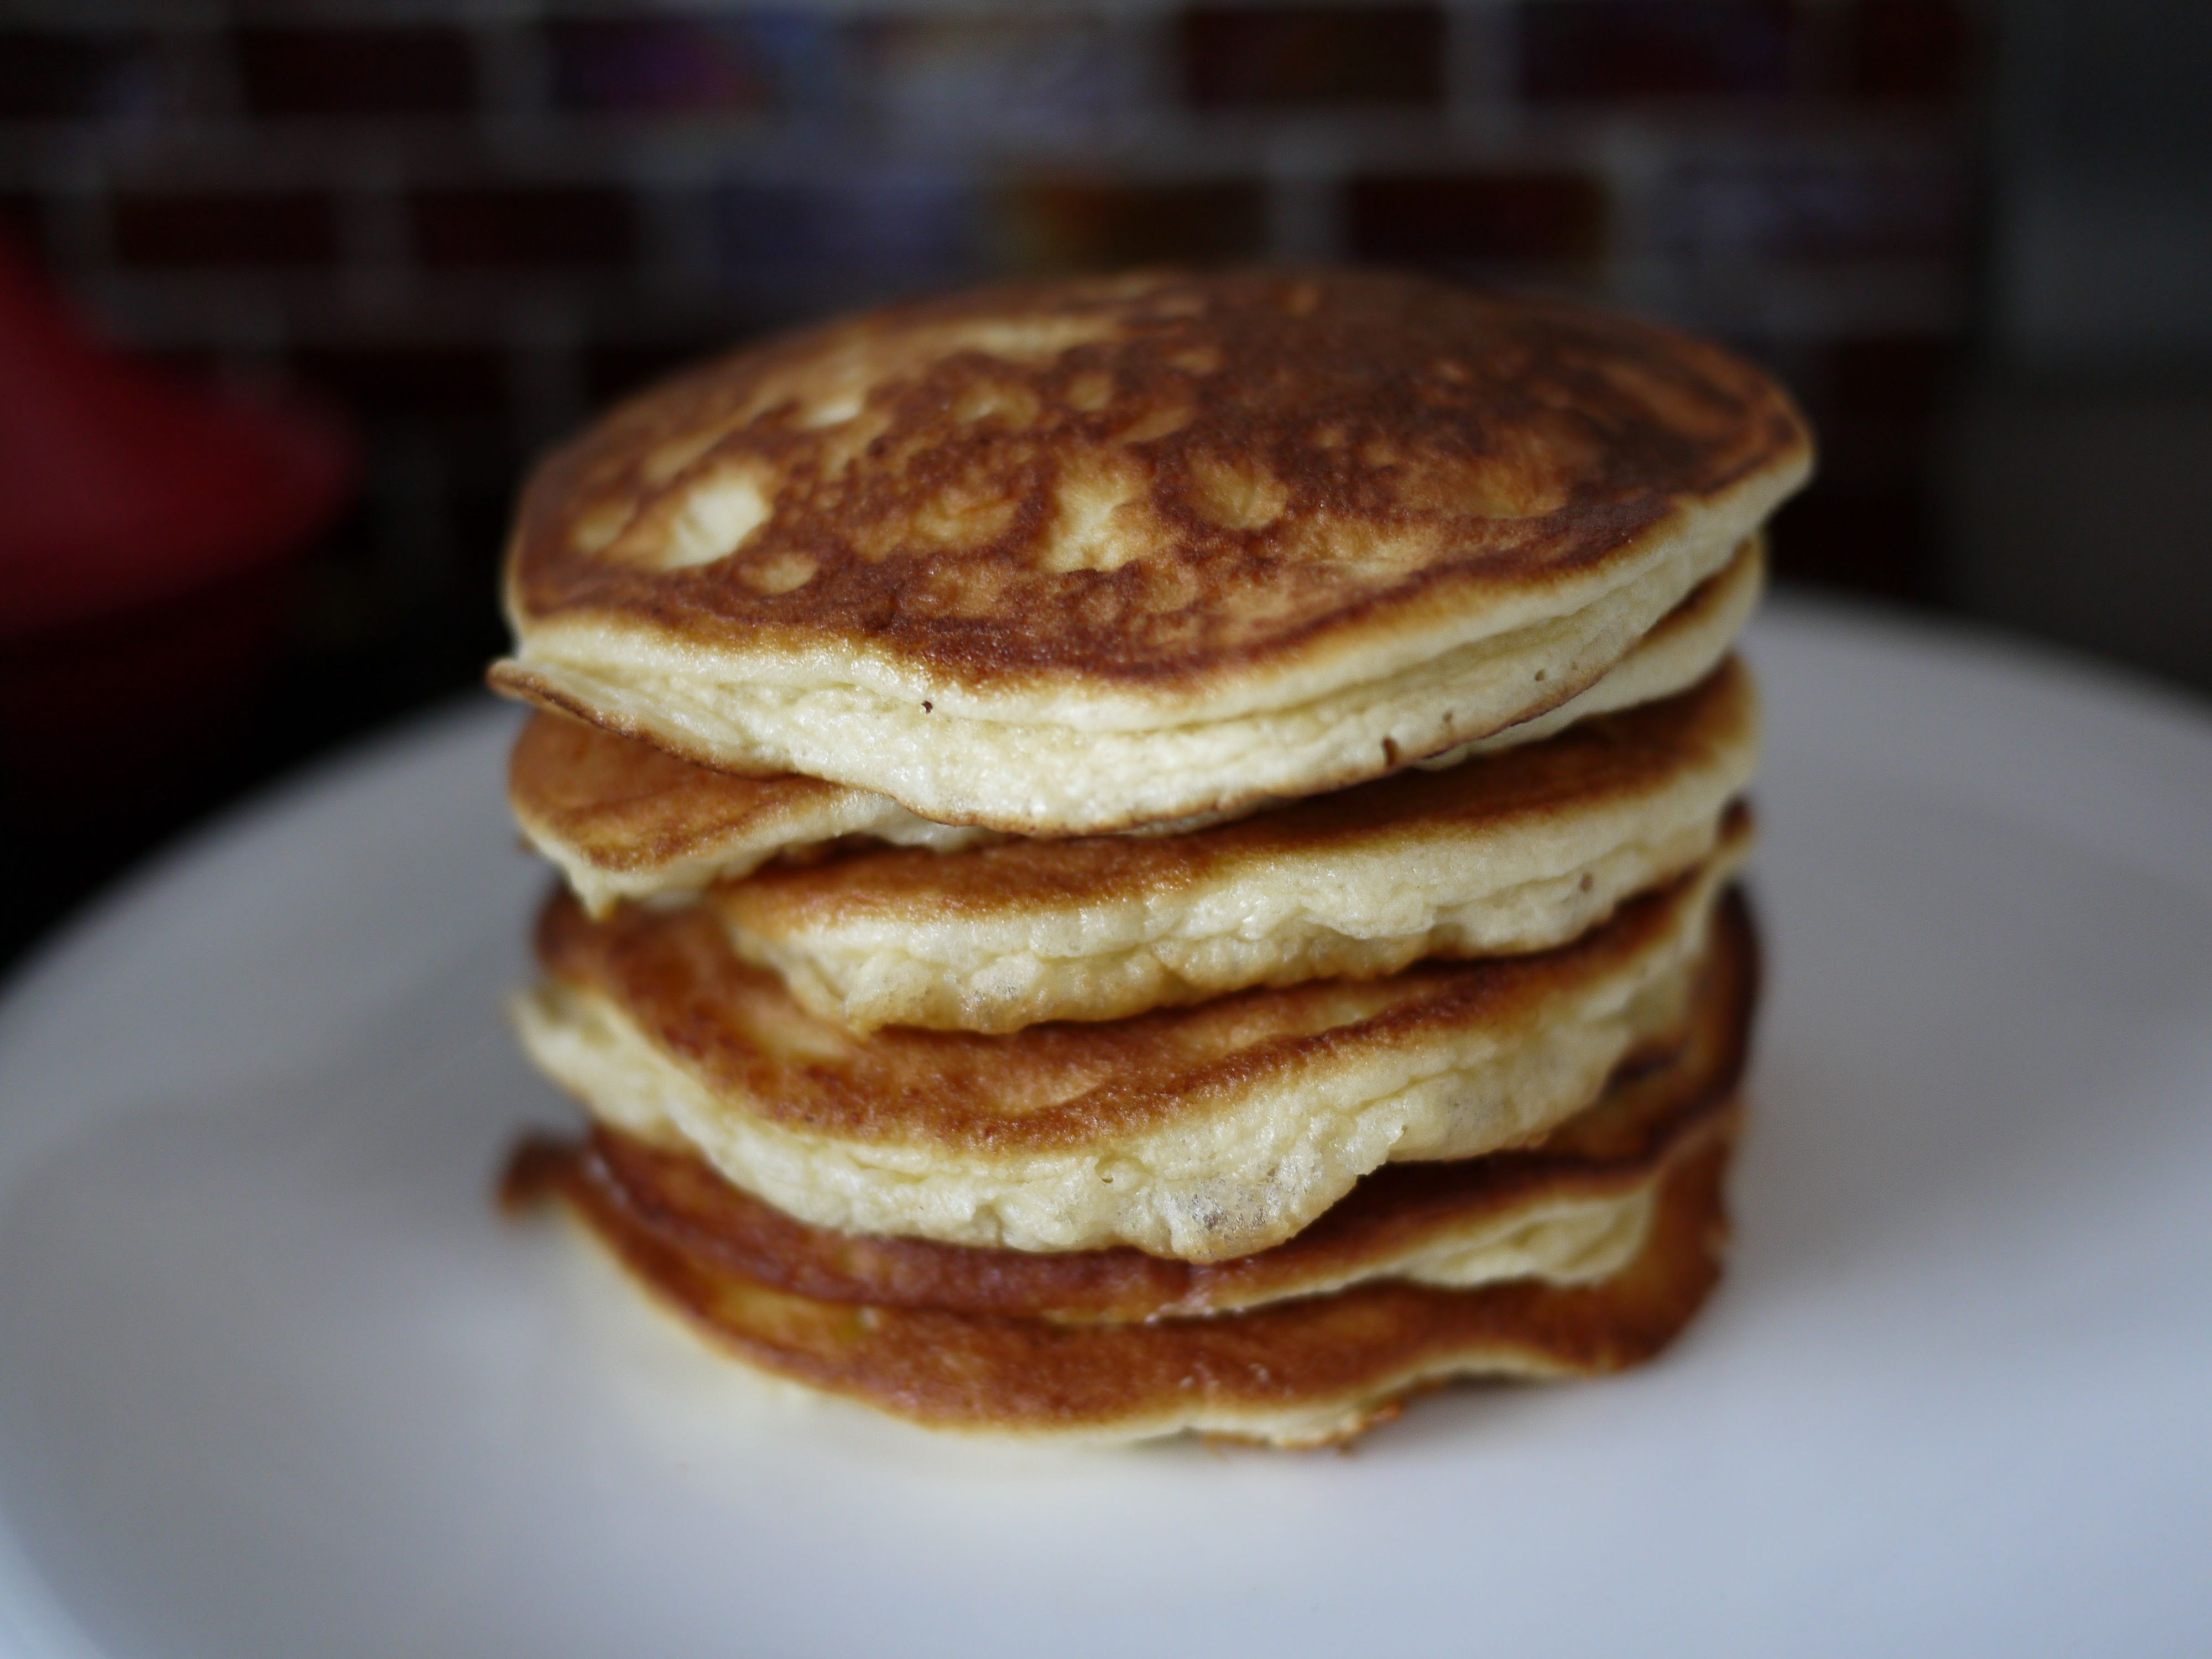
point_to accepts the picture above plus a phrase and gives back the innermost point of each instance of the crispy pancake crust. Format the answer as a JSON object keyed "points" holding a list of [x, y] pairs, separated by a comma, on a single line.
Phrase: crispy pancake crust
{"points": [[1572, 1206], [625, 820], [1517, 851], [1202, 1133], [1256, 528], [1308, 1371]]}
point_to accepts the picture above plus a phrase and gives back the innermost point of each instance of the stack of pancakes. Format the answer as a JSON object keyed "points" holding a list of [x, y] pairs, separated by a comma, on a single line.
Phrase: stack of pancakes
{"points": [[1154, 853]]}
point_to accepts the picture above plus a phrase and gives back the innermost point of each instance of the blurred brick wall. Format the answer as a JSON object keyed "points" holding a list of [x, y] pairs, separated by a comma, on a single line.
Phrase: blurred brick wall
{"points": [[475, 221]]}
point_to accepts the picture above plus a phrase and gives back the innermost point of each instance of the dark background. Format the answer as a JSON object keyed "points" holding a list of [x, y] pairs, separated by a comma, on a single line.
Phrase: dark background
{"points": [[1976, 240]]}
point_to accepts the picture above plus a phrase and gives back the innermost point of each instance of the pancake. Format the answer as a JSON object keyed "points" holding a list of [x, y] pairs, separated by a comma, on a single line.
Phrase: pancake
{"points": [[1310, 1371], [1514, 852], [625, 820], [1077, 556], [1573, 1208], [1202, 1133]]}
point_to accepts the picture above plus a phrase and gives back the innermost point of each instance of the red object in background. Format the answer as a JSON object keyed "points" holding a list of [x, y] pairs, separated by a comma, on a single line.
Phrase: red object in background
{"points": [[123, 487], [148, 535]]}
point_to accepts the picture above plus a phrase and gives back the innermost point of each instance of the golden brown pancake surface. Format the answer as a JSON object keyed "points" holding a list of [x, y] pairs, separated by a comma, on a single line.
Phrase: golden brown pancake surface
{"points": [[624, 818], [623, 805], [1143, 480], [1308, 1371]]}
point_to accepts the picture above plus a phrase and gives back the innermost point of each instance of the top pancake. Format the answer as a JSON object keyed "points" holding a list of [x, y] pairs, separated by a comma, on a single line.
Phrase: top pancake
{"points": [[1070, 557]]}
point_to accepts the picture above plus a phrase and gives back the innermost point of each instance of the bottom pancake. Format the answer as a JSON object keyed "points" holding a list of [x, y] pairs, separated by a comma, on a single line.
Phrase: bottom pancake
{"points": [[1102, 1345], [1306, 1373], [1572, 1208]]}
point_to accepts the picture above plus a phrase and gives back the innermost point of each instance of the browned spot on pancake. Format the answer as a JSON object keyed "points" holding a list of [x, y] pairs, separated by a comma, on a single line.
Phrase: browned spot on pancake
{"points": [[1358, 1350], [625, 806], [737, 1029], [1266, 425], [1654, 1111]]}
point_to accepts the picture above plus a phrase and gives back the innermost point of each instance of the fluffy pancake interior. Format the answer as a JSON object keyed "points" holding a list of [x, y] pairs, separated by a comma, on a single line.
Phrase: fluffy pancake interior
{"points": [[1517, 851], [1202, 1133], [1573, 1207]]}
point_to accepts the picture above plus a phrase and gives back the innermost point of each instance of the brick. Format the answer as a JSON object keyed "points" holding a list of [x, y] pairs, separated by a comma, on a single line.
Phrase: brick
{"points": [[348, 71], [1046, 75], [1078, 225], [384, 381], [525, 225], [222, 227], [1824, 209], [71, 76], [1910, 49], [1624, 50], [897, 230], [1247, 57], [1423, 218], [658, 64]]}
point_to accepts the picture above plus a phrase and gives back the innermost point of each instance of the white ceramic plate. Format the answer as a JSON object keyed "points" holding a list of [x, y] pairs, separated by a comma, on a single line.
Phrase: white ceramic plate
{"points": [[275, 1381]]}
